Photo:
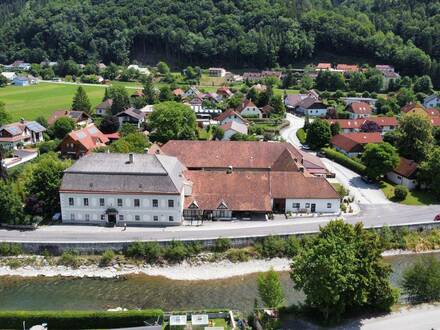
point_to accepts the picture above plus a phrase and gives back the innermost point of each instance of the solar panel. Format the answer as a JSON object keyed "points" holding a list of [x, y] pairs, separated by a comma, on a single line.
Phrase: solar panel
{"points": [[93, 130], [36, 127], [13, 130], [81, 135]]}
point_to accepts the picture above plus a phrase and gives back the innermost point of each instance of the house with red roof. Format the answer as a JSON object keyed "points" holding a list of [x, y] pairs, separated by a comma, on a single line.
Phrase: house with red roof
{"points": [[352, 144], [347, 68], [359, 110], [231, 128], [249, 109], [324, 66], [224, 91], [405, 173], [385, 124], [82, 142], [230, 115]]}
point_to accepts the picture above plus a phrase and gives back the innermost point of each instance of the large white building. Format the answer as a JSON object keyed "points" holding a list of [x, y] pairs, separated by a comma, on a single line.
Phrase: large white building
{"points": [[118, 189]]}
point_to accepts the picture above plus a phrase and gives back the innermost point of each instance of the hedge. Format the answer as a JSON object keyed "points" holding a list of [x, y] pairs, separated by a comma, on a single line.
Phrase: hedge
{"points": [[301, 135], [78, 319], [344, 160]]}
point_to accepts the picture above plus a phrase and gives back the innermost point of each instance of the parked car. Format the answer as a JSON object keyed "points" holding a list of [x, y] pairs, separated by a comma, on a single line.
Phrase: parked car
{"points": [[437, 217], [305, 147], [366, 179]]}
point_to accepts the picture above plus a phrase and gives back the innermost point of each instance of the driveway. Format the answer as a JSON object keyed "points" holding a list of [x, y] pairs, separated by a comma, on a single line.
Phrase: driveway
{"points": [[364, 193]]}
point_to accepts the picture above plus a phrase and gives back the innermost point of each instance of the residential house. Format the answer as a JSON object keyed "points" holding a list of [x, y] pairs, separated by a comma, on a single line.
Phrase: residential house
{"points": [[312, 107], [352, 144], [20, 156], [324, 66], [267, 110], [385, 124], [224, 92], [124, 189], [369, 100], [24, 81], [18, 66], [413, 108], [405, 173], [230, 115], [139, 69], [249, 109], [147, 110], [254, 76], [216, 72], [432, 101], [259, 88], [104, 108], [82, 142], [79, 117], [389, 76], [178, 92], [347, 68], [233, 128], [348, 125], [432, 112], [359, 110], [47, 63], [9, 75], [131, 116], [292, 101], [22, 133], [193, 92], [435, 121]]}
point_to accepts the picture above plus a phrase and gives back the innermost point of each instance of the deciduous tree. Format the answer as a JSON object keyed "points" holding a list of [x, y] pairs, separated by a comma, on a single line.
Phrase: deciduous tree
{"points": [[318, 134], [270, 289], [379, 159]]}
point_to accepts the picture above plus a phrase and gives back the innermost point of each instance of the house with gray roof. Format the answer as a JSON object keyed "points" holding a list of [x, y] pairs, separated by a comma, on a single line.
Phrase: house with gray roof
{"points": [[124, 189], [15, 135], [132, 116]]}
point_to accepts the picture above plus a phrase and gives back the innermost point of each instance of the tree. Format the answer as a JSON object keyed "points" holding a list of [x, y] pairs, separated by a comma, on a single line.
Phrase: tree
{"points": [[163, 68], [415, 140], [165, 94], [276, 102], [329, 81], [133, 142], [379, 159], [405, 96], [172, 121], [306, 82], [342, 270], [45, 183], [421, 281], [400, 192], [3, 81], [252, 95], [335, 128], [62, 127], [318, 134], [42, 121], [81, 101], [217, 133], [121, 100], [109, 124], [11, 211], [423, 84], [429, 171], [270, 289], [149, 91], [127, 128], [5, 118]]}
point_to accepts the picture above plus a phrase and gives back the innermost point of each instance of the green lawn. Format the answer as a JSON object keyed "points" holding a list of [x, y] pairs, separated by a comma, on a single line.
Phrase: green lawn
{"points": [[414, 197], [43, 99]]}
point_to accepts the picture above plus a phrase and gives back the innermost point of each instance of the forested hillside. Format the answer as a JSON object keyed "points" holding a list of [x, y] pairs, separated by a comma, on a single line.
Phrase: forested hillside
{"points": [[255, 33]]}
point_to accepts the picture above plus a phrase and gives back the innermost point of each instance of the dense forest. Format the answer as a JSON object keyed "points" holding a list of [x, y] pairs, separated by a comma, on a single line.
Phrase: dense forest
{"points": [[234, 33]]}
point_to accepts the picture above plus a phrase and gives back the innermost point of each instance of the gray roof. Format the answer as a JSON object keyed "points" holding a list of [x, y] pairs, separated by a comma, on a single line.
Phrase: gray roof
{"points": [[136, 114], [35, 127], [104, 172]]}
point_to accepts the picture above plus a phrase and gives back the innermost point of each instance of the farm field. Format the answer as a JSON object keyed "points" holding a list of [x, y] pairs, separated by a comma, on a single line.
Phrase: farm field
{"points": [[43, 99]]}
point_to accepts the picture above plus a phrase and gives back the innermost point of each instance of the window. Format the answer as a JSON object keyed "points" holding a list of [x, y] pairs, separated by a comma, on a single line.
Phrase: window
{"points": [[72, 216], [86, 202], [71, 201], [399, 177], [170, 203], [171, 218], [155, 203], [119, 202], [156, 218], [102, 216], [329, 205], [307, 205], [137, 217], [295, 205], [101, 202], [121, 217], [87, 217], [137, 203]]}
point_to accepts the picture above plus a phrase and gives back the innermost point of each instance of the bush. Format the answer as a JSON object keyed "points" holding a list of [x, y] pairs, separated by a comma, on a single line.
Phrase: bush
{"points": [[78, 319], [238, 255], [10, 249], [176, 252], [400, 192], [107, 257], [301, 135], [151, 251], [344, 160], [272, 247], [293, 246], [222, 244], [70, 259]]}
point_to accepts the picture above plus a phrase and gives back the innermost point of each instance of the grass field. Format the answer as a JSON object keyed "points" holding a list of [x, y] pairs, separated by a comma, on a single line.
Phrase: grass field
{"points": [[43, 99], [414, 197]]}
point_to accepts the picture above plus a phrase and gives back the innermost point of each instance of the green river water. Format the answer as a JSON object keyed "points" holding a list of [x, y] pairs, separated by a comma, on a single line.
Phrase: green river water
{"points": [[140, 291]]}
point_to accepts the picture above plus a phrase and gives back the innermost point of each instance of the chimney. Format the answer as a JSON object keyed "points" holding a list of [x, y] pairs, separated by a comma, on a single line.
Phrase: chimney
{"points": [[229, 170], [301, 169], [130, 158]]}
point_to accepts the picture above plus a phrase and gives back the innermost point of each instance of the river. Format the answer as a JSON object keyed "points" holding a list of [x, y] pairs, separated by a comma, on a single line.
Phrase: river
{"points": [[140, 291]]}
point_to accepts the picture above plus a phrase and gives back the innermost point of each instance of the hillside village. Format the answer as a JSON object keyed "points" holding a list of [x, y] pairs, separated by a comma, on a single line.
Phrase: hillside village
{"points": [[237, 121]]}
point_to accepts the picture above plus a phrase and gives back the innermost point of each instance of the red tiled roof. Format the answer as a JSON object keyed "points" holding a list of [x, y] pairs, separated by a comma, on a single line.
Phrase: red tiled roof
{"points": [[347, 123], [433, 112], [435, 121], [406, 167], [178, 92], [360, 108], [384, 121], [410, 106], [347, 67], [352, 142], [224, 90], [227, 113], [324, 66], [89, 137]]}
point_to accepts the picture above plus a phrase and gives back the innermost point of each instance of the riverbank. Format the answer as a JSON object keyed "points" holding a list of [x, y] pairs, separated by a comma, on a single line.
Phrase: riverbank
{"points": [[182, 271]]}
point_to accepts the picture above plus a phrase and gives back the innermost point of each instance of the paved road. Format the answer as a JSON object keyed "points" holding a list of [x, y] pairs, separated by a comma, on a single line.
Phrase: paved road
{"points": [[289, 133], [371, 216]]}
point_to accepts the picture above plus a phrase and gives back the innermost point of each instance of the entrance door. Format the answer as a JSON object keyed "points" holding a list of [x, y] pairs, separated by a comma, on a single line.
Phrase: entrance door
{"points": [[313, 208], [111, 218]]}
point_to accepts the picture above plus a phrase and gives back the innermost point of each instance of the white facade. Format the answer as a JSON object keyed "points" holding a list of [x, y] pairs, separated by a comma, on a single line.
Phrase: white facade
{"points": [[399, 179], [313, 205], [315, 112], [91, 209], [251, 111], [232, 118], [358, 116]]}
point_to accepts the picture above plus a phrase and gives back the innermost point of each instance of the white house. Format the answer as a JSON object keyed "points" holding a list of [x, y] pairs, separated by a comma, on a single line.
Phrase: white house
{"points": [[249, 109], [432, 101], [232, 128], [9, 75], [131, 116], [22, 133], [312, 107], [139, 69], [216, 72], [118, 189], [405, 173], [104, 108], [230, 115], [359, 110]]}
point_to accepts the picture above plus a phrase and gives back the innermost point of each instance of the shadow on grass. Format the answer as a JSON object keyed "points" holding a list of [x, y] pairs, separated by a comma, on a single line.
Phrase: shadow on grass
{"points": [[414, 197]]}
